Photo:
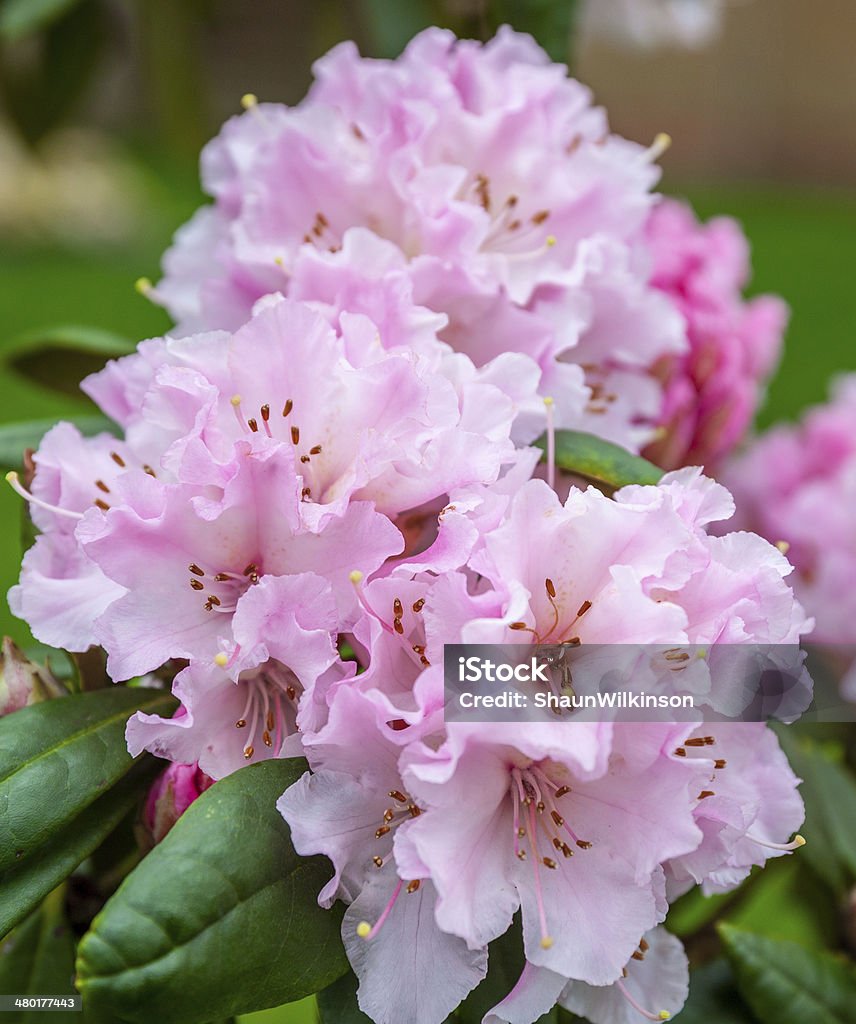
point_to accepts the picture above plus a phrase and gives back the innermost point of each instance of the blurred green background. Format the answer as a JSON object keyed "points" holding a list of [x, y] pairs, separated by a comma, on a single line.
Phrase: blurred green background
{"points": [[106, 105]]}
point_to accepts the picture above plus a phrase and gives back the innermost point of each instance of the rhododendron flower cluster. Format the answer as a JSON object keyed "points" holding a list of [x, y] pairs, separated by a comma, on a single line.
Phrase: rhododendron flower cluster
{"points": [[796, 485], [325, 476]]}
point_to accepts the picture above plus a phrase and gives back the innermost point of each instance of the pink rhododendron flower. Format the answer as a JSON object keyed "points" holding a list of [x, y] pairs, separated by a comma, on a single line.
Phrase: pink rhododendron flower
{"points": [[713, 390], [478, 181], [170, 796]]}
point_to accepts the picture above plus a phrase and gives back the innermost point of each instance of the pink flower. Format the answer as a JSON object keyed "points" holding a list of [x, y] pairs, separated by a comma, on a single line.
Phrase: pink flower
{"points": [[478, 181], [22, 681], [350, 808], [797, 485], [712, 391], [170, 796]]}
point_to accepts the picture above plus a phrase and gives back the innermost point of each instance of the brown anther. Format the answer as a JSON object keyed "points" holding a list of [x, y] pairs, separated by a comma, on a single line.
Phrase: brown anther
{"points": [[382, 831], [248, 752], [149, 470], [414, 885], [357, 132], [643, 945], [397, 609], [268, 742], [623, 972], [540, 807], [540, 216], [521, 832], [304, 458], [102, 504], [559, 820], [378, 861], [414, 810], [194, 568], [102, 486], [214, 599], [551, 590], [720, 762], [295, 435], [315, 449], [397, 626], [521, 855], [573, 641], [418, 649], [322, 220], [583, 844], [562, 790], [388, 815], [270, 721], [253, 425], [306, 492], [637, 955], [197, 585], [250, 569], [241, 723], [548, 862], [221, 577], [680, 752], [677, 656], [512, 201], [584, 607], [700, 741], [290, 692], [704, 794], [566, 850], [518, 625], [265, 411], [117, 458], [418, 605], [424, 662], [286, 409]]}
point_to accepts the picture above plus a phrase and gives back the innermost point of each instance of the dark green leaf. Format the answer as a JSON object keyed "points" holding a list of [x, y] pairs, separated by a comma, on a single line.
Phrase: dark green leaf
{"points": [[337, 1004], [600, 461], [714, 998], [60, 357], [38, 960], [15, 438], [786, 983], [23, 887], [220, 918], [21, 17], [548, 21], [58, 757], [42, 90], [829, 792], [504, 964]]}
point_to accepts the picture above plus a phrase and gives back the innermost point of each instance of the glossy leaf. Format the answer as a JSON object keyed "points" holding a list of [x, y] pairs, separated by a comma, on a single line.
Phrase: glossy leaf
{"points": [[58, 757], [829, 792], [337, 1004], [60, 357], [24, 886], [504, 963], [714, 997], [600, 461], [548, 21], [16, 438], [220, 918], [786, 983], [38, 960]]}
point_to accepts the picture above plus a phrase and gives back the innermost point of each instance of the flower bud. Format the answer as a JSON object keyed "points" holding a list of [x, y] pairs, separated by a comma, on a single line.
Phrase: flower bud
{"points": [[170, 796], [22, 681]]}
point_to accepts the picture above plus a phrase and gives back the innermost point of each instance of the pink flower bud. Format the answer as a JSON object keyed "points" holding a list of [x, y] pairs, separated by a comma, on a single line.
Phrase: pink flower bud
{"points": [[170, 796]]}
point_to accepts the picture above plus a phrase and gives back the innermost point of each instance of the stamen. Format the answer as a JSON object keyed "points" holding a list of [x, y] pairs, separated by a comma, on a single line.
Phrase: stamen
{"points": [[117, 458], [286, 409], [365, 930], [18, 488], [551, 443], [794, 844], [647, 1014]]}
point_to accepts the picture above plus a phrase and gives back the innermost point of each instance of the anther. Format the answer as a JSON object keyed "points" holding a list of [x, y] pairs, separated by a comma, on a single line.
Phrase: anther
{"points": [[265, 411], [562, 790], [102, 486], [413, 886], [248, 752], [720, 762], [286, 409], [295, 435], [194, 568], [197, 585], [382, 831], [704, 794], [388, 815], [397, 626], [418, 605], [396, 794], [583, 844], [117, 458], [548, 863], [253, 425], [559, 820], [378, 862], [584, 607], [102, 504], [551, 589], [315, 449], [397, 609]]}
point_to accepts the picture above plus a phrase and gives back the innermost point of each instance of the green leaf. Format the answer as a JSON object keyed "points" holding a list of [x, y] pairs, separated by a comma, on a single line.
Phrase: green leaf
{"points": [[714, 997], [60, 357], [21, 17], [16, 438], [337, 1004], [786, 983], [548, 21], [22, 888], [504, 964], [38, 960], [829, 792], [58, 757], [600, 461], [43, 89], [220, 918]]}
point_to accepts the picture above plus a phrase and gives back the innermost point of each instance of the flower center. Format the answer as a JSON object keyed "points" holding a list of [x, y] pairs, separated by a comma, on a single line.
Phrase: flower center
{"points": [[270, 711], [222, 589]]}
